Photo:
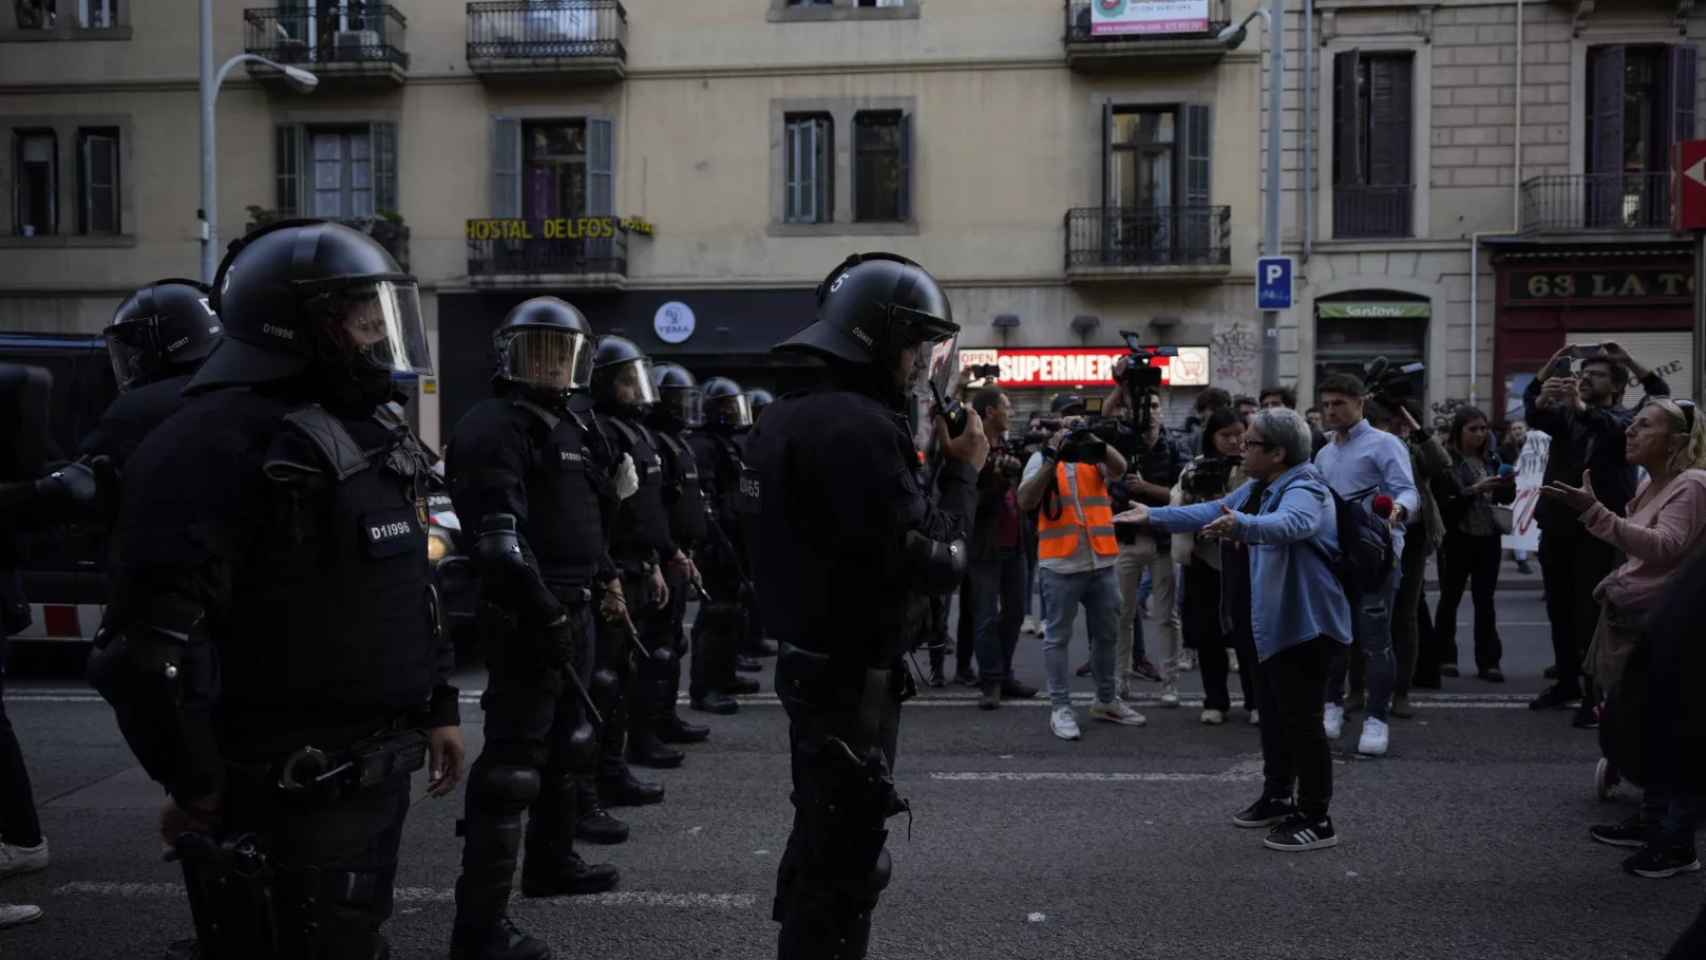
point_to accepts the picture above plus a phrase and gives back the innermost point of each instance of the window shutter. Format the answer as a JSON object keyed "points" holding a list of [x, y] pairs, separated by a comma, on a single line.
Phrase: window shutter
{"points": [[600, 176], [793, 144], [1605, 137], [287, 143], [1107, 151], [1198, 140], [1388, 128], [384, 168], [1347, 120], [506, 167], [826, 170], [903, 203], [1684, 74]]}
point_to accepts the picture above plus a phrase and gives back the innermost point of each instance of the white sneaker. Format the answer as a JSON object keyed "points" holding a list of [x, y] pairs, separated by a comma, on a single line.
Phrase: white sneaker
{"points": [[1063, 723], [1255, 718], [1032, 626], [13, 914], [1117, 712], [1333, 721], [1231, 662], [15, 860], [1213, 718], [1187, 661], [1170, 694], [1375, 737]]}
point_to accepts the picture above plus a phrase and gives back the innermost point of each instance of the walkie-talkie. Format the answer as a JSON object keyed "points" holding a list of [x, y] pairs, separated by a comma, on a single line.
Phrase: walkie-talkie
{"points": [[950, 410]]}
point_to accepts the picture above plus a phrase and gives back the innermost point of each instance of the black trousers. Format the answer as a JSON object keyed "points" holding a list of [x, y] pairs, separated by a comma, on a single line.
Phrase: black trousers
{"points": [[1200, 617], [719, 631], [1571, 567], [1291, 687], [19, 825], [656, 681], [1471, 560]]}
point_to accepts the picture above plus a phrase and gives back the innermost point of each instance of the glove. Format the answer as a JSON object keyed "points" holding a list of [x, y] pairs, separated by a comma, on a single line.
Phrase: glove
{"points": [[72, 483], [627, 478]]}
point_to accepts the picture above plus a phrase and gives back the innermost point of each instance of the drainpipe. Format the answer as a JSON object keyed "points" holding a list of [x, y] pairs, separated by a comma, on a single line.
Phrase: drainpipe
{"points": [[1309, 128], [1475, 238]]}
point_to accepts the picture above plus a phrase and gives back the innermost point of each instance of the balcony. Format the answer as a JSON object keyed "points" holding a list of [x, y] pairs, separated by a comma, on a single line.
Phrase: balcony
{"points": [[581, 253], [1161, 43], [1596, 202], [567, 39], [1183, 244], [355, 44], [1364, 212]]}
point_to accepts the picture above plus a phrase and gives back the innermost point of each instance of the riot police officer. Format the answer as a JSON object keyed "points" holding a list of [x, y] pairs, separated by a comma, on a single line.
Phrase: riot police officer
{"points": [[757, 643], [536, 482], [848, 541], [270, 651], [676, 411], [721, 626], [642, 548], [158, 339], [759, 399]]}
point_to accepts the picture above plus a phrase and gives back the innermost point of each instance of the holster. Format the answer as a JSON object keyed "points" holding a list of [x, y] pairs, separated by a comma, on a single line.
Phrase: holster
{"points": [[232, 902]]}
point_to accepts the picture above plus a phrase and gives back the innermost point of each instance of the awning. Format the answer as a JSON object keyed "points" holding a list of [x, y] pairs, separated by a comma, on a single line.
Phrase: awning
{"points": [[1373, 310]]}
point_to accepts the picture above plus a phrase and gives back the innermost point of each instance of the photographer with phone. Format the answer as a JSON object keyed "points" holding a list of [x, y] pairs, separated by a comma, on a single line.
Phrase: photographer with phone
{"points": [[1582, 408]]}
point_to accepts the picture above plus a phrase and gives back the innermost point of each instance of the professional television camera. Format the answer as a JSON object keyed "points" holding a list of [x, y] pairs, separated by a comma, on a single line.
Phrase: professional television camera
{"points": [[1390, 384], [1139, 379], [1207, 478]]}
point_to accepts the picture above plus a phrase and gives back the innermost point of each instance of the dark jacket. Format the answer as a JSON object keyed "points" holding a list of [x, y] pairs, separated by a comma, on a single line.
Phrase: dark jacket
{"points": [[994, 487], [1586, 440], [1676, 709]]}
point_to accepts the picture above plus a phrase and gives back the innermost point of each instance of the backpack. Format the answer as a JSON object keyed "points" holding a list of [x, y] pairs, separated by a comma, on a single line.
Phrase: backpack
{"points": [[1365, 547]]}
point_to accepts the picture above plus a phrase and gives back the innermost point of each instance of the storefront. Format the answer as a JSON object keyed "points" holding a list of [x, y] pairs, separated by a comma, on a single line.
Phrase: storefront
{"points": [[1353, 329], [1035, 376], [1641, 297]]}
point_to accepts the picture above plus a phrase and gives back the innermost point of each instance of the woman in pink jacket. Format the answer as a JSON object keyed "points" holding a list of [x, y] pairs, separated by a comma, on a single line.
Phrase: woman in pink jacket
{"points": [[1666, 524]]}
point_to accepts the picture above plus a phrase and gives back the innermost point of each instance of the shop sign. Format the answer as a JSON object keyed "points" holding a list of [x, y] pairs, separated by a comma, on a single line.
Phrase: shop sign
{"points": [[674, 322], [1114, 17], [1083, 366], [1619, 286], [557, 228], [1377, 310]]}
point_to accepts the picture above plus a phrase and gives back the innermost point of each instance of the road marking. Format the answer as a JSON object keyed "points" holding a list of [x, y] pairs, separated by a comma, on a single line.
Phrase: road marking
{"points": [[628, 898], [1004, 776], [1449, 701]]}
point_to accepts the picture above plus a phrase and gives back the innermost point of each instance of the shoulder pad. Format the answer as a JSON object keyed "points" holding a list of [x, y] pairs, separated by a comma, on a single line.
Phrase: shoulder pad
{"points": [[338, 450]]}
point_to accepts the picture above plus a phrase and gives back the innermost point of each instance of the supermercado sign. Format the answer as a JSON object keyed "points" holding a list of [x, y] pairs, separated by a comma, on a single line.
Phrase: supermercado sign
{"points": [[1084, 366], [557, 228]]}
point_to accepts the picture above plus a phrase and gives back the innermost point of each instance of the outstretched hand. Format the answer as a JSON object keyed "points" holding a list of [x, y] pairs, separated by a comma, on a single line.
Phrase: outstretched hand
{"points": [[1224, 527], [1578, 499]]}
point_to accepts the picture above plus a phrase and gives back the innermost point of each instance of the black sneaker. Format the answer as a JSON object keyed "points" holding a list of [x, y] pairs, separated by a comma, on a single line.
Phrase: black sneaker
{"points": [[1556, 697], [1448, 670], [1083, 670], [1586, 718], [1299, 833], [1146, 669], [1632, 832], [1657, 861], [1550, 673], [1264, 813]]}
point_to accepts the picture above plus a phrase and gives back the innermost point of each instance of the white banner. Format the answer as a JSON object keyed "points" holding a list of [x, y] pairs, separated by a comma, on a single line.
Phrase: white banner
{"points": [[1530, 471], [1110, 17]]}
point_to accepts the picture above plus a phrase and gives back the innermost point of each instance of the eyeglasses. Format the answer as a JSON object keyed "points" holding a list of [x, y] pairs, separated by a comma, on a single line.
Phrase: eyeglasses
{"points": [[1258, 445]]}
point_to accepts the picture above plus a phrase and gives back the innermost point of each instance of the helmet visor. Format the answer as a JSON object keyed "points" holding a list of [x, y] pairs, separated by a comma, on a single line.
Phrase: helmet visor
{"points": [[131, 348], [552, 359], [631, 383], [731, 411], [379, 321], [683, 404]]}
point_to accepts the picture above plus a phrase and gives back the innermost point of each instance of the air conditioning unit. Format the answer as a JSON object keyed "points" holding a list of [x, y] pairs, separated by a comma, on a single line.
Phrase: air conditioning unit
{"points": [[355, 40]]}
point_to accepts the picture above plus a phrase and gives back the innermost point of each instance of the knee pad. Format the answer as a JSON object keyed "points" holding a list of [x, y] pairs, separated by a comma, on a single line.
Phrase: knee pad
{"points": [[605, 687], [506, 787], [880, 872]]}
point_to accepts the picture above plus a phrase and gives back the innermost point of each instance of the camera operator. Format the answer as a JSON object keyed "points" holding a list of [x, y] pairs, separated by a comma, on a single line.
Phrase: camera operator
{"points": [[1585, 415], [1362, 464]]}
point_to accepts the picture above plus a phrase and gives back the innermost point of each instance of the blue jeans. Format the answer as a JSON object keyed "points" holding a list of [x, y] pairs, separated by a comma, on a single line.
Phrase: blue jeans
{"points": [[998, 602], [1371, 622], [1099, 592]]}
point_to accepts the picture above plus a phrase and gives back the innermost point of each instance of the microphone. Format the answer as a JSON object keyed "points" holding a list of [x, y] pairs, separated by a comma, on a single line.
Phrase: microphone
{"points": [[1383, 507]]}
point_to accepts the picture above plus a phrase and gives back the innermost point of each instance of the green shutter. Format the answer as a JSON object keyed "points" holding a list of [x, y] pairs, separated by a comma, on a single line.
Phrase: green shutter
{"points": [[506, 167], [384, 156], [287, 143]]}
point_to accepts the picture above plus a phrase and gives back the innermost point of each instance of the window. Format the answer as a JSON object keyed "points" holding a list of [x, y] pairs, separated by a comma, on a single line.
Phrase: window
{"points": [[1640, 102], [35, 207], [97, 14], [1155, 191], [554, 170], [810, 160], [882, 162], [336, 172], [1373, 181], [98, 180], [37, 14]]}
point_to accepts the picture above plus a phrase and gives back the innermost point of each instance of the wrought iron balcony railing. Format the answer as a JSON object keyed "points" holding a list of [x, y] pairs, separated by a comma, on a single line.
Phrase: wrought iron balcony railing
{"points": [[562, 246], [1364, 211], [323, 34], [1596, 201], [1148, 237], [547, 30]]}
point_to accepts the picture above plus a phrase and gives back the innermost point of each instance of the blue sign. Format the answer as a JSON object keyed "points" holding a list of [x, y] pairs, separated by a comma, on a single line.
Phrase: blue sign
{"points": [[1273, 283]]}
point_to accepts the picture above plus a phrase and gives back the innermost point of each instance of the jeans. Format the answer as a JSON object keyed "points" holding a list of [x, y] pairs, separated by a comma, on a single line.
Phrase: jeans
{"points": [[1473, 560], [997, 586], [965, 631], [1201, 620], [1371, 622], [18, 823], [1571, 566], [1405, 625], [1099, 592], [1135, 559], [1294, 744]]}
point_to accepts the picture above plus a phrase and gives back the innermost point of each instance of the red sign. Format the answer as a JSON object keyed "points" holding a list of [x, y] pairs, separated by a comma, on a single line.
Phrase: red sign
{"points": [[1688, 186], [1083, 366]]}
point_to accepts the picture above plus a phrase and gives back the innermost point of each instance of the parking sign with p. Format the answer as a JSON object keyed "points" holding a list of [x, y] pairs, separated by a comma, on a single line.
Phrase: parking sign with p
{"points": [[1273, 283]]}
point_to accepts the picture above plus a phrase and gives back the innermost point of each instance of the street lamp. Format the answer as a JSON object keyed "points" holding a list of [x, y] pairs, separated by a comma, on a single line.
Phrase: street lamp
{"points": [[299, 79], [1232, 36]]}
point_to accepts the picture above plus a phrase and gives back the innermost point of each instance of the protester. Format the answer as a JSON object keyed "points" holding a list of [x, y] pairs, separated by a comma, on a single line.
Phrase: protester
{"points": [[1584, 414], [1473, 550], [1211, 477], [1247, 407], [1362, 464], [1515, 436], [1278, 584], [1667, 521], [1429, 462], [1287, 397]]}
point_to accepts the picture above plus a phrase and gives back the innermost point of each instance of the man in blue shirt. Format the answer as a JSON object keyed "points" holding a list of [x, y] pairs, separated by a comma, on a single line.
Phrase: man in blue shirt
{"points": [[1360, 463]]}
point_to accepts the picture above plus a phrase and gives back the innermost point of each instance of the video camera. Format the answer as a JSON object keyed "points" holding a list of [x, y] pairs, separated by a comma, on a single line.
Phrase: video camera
{"points": [[1208, 478], [1139, 378], [1390, 385]]}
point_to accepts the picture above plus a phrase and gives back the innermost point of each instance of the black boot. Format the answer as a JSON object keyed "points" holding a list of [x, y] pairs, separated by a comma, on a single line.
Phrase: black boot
{"points": [[747, 664], [716, 701], [594, 824], [646, 750], [620, 789], [741, 686], [501, 941], [552, 868], [761, 647], [677, 730], [492, 831]]}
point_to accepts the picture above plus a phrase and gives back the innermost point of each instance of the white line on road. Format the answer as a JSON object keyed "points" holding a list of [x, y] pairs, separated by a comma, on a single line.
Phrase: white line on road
{"points": [[631, 898], [1449, 701], [1089, 777]]}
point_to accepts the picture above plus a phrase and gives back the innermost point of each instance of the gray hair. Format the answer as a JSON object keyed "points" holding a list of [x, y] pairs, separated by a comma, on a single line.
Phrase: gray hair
{"points": [[1287, 430]]}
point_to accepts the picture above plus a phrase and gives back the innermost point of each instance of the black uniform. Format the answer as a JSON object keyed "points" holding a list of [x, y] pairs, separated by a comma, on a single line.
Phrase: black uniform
{"points": [[721, 627], [689, 528], [548, 469], [131, 416], [275, 553], [849, 543]]}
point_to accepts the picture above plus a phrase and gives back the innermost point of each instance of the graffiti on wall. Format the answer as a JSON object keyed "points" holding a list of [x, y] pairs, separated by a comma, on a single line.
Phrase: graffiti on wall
{"points": [[1236, 351]]}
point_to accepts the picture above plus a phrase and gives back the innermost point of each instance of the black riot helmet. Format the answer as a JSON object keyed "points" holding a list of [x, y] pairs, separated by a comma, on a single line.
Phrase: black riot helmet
{"points": [[622, 377], [758, 398], [726, 407], [163, 329], [544, 346], [678, 395], [316, 299]]}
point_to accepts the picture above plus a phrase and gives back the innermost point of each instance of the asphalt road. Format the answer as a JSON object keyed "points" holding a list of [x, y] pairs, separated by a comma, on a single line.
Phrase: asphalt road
{"points": [[1469, 840]]}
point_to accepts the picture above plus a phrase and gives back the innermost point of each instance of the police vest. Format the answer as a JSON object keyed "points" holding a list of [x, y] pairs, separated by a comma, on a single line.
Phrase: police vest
{"points": [[335, 608], [1086, 510], [682, 492], [566, 487], [642, 522]]}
